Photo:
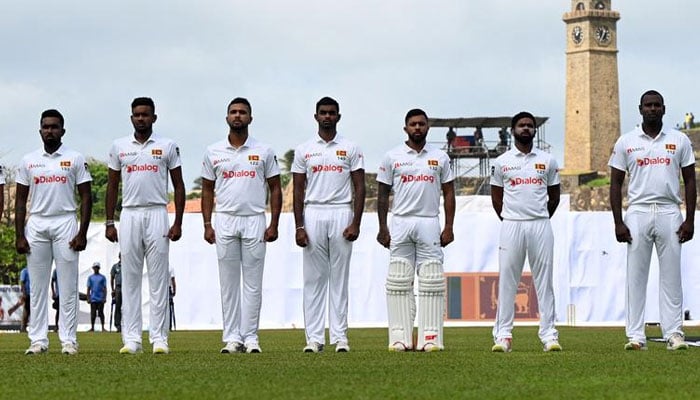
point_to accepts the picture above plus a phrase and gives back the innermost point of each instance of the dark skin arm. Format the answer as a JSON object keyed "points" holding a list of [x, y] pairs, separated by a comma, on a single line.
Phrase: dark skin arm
{"points": [[175, 231], [299, 185], [622, 233], [686, 230], [79, 242], [497, 200], [207, 208], [21, 195], [448, 192], [352, 232], [384, 236], [275, 186], [553, 195], [113, 179]]}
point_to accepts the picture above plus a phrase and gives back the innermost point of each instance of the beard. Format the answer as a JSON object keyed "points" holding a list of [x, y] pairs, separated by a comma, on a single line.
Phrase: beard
{"points": [[525, 140]]}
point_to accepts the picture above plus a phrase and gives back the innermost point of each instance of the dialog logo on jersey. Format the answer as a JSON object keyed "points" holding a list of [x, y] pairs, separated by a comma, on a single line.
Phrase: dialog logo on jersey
{"points": [[643, 162], [238, 174], [526, 181], [50, 179], [326, 168], [417, 178], [141, 168]]}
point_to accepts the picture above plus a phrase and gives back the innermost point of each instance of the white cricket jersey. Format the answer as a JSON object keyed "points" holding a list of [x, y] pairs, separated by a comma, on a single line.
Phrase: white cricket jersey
{"points": [[240, 175], [416, 179], [144, 168], [52, 179], [327, 166], [2, 175], [654, 165], [524, 179]]}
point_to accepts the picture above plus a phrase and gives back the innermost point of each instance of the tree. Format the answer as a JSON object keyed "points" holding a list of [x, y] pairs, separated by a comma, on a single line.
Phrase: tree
{"points": [[286, 167]]}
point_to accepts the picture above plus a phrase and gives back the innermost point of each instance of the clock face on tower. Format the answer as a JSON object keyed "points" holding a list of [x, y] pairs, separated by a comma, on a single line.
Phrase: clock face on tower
{"points": [[602, 34], [577, 34]]}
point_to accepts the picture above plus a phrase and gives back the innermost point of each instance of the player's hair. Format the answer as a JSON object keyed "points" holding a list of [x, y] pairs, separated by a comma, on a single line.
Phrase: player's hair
{"points": [[143, 101], [327, 101], [522, 114], [51, 113], [240, 100], [414, 112], [651, 93]]}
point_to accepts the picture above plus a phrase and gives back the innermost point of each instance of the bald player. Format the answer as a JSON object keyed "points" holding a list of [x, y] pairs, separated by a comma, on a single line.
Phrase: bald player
{"points": [[237, 172], [49, 177], [329, 198], [143, 162], [655, 157], [525, 195], [417, 173]]}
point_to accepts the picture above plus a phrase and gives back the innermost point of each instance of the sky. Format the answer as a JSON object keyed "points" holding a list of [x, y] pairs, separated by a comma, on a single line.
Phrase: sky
{"points": [[378, 58]]}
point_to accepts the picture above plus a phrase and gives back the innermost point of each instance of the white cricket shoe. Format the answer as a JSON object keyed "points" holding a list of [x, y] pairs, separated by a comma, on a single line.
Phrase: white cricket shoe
{"points": [[313, 347], [552, 345], [676, 342], [131, 348], [399, 347], [634, 345], [36, 349], [70, 349], [233, 347], [253, 348], [342, 347], [431, 347], [160, 348], [503, 345]]}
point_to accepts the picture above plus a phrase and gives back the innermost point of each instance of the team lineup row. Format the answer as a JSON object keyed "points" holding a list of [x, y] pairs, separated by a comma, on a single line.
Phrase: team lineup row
{"points": [[239, 173]]}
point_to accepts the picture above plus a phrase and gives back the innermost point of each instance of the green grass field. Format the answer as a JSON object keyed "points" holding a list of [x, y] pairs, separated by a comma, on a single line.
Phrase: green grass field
{"points": [[593, 365]]}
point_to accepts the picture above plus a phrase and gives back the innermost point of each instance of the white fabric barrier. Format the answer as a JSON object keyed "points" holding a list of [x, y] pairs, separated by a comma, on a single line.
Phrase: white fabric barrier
{"points": [[589, 270]]}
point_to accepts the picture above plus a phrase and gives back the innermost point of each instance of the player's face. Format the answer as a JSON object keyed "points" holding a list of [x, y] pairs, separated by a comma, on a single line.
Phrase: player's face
{"points": [[238, 116], [327, 117], [51, 131], [524, 131], [417, 129], [143, 117], [652, 109]]}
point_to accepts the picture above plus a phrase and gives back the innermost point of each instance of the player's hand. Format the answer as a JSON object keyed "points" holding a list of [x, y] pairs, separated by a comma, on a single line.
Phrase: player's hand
{"points": [[111, 233], [352, 232], [301, 238], [209, 234], [270, 234], [22, 245], [622, 233], [384, 237], [446, 237], [78, 243], [175, 233], [686, 231]]}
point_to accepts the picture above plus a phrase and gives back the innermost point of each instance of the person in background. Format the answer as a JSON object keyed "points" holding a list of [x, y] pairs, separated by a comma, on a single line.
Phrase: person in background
{"points": [[97, 295]]}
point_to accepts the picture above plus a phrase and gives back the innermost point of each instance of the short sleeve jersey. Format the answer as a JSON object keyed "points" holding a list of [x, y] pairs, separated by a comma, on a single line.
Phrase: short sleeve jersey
{"points": [[144, 169], [525, 179], [654, 165], [240, 175], [327, 166], [98, 288], [416, 179], [116, 273], [52, 179]]}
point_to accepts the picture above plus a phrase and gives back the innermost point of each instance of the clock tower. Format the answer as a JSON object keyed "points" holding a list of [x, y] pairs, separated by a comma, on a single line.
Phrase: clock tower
{"points": [[592, 95]]}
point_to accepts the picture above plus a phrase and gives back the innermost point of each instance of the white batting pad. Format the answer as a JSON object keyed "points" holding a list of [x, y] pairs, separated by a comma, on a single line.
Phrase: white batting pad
{"points": [[400, 302], [431, 303]]}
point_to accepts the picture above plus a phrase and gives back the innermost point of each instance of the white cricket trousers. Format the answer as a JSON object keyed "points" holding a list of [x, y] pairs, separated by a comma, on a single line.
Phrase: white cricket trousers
{"points": [[240, 249], [654, 225], [48, 239], [144, 234], [534, 239], [326, 271], [417, 239]]}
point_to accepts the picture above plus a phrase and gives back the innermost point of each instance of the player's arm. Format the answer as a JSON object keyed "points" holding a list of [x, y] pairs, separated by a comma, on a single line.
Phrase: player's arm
{"points": [[175, 231], [113, 178], [21, 195], [275, 185], [357, 177], [553, 196], [497, 200], [207, 209], [383, 192], [448, 192], [687, 228], [617, 177], [299, 186], [79, 242]]}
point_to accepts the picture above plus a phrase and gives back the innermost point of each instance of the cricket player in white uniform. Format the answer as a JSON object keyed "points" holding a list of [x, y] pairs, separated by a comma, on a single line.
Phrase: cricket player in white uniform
{"points": [[142, 162], [48, 177], [238, 171], [329, 198], [417, 172], [654, 156], [525, 195]]}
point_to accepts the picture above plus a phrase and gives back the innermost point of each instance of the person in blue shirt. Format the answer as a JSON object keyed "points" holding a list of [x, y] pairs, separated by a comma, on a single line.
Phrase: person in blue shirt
{"points": [[96, 296], [24, 284]]}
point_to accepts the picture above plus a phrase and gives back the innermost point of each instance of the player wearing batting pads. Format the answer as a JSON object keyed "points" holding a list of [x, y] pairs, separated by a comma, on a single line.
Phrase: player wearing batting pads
{"points": [[49, 176], [525, 195], [326, 171], [417, 172], [654, 156], [142, 162], [240, 169]]}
